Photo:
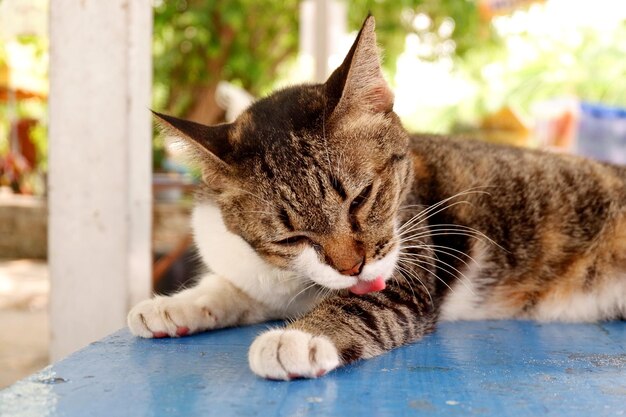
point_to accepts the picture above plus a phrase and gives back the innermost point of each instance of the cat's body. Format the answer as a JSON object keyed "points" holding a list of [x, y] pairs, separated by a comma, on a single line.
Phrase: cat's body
{"points": [[318, 206], [558, 223]]}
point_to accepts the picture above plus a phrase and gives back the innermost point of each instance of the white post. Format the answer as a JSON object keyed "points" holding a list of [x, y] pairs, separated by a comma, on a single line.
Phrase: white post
{"points": [[322, 44], [322, 35], [99, 166]]}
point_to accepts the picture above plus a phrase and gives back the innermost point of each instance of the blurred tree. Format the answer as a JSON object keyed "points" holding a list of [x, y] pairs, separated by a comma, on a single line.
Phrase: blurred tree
{"points": [[197, 43]]}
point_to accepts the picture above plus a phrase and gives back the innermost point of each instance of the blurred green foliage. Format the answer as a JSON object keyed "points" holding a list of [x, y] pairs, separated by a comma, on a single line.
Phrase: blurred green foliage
{"points": [[395, 20], [200, 42], [591, 67], [197, 43]]}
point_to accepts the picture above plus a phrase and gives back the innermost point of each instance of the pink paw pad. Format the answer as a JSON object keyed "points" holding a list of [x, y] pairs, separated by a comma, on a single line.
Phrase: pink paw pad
{"points": [[159, 335], [294, 376], [320, 373], [182, 331]]}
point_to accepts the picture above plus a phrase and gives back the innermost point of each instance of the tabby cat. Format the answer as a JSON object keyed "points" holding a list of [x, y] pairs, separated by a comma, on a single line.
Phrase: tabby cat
{"points": [[318, 206]]}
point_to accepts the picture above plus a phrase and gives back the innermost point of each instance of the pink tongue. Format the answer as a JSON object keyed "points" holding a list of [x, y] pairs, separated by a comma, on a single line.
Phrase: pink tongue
{"points": [[364, 287]]}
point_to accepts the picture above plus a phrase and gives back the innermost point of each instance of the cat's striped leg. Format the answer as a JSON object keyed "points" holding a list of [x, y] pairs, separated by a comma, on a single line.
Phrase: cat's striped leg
{"points": [[341, 330], [213, 303]]}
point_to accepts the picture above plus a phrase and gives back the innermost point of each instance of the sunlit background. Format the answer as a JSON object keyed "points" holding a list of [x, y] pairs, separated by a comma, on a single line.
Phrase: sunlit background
{"points": [[542, 73]]}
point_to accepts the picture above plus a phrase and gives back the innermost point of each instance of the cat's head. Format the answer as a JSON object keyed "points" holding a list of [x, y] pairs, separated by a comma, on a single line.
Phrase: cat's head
{"points": [[312, 176]]}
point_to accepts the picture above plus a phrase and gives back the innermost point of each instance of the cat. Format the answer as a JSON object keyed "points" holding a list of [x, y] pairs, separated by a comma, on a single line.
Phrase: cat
{"points": [[318, 206]]}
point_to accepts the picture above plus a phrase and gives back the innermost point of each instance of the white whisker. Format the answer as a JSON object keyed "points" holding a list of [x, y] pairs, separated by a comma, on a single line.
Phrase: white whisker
{"points": [[444, 250], [435, 227], [410, 275], [461, 276], [267, 202], [474, 190], [311, 285], [455, 232], [427, 270], [259, 212], [408, 230]]}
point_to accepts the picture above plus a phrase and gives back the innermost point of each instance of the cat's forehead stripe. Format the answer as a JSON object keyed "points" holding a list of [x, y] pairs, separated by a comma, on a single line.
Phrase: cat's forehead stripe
{"points": [[320, 185], [286, 221]]}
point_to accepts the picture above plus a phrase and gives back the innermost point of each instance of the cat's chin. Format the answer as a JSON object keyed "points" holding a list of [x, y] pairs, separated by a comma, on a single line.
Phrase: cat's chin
{"points": [[372, 278]]}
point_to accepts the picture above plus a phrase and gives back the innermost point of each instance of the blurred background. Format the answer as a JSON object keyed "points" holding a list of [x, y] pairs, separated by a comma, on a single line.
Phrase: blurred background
{"points": [[533, 73]]}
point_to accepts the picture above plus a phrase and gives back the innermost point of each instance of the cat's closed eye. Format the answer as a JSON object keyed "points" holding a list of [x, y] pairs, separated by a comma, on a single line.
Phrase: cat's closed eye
{"points": [[360, 199], [292, 241]]}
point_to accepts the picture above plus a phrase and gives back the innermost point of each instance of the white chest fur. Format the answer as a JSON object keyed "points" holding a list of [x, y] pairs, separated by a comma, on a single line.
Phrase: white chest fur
{"points": [[229, 256]]}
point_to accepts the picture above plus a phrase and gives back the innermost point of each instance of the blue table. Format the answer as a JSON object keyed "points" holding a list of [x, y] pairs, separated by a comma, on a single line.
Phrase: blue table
{"points": [[493, 368]]}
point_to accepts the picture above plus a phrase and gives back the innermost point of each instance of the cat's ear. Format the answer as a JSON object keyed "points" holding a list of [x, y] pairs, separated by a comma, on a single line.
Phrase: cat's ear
{"points": [[359, 81], [213, 139], [212, 142]]}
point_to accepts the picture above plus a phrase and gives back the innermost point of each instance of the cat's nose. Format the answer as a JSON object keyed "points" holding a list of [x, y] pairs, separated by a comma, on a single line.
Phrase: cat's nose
{"points": [[355, 270]]}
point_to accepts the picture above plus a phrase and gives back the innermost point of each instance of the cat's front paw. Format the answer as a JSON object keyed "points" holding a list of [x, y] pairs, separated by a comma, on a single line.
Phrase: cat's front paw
{"points": [[289, 354], [169, 316]]}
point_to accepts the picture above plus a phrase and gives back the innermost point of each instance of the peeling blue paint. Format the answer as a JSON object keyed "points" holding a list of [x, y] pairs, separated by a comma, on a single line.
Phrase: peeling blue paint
{"points": [[468, 368]]}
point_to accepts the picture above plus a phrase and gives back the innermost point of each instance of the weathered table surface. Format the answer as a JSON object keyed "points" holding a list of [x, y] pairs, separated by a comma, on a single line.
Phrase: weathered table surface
{"points": [[493, 368]]}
